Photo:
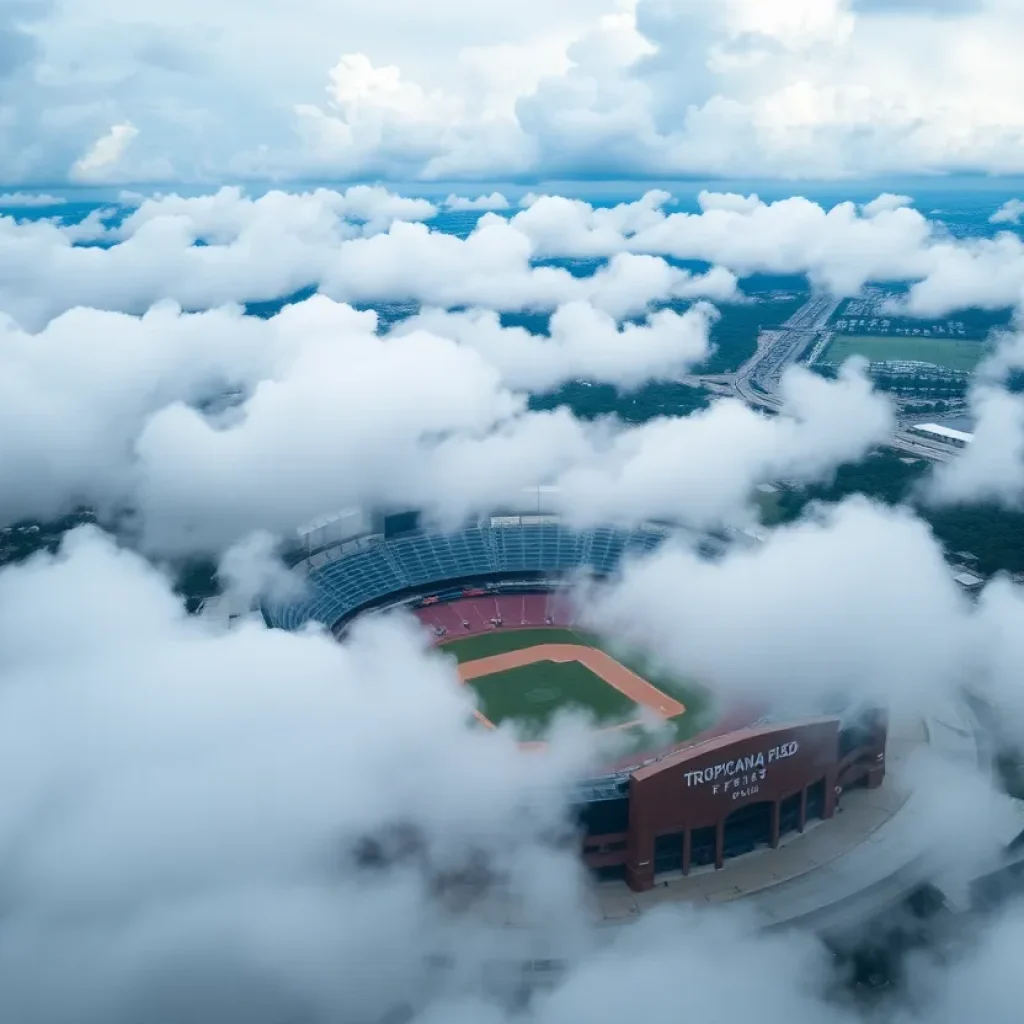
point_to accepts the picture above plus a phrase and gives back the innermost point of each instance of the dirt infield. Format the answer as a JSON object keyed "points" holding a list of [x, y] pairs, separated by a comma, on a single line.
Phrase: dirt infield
{"points": [[604, 666]]}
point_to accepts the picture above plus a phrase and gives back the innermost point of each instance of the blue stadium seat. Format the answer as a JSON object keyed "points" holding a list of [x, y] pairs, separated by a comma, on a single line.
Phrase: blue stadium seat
{"points": [[353, 579]]}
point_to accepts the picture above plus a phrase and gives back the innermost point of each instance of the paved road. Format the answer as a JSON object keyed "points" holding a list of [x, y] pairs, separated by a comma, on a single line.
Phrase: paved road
{"points": [[758, 380]]}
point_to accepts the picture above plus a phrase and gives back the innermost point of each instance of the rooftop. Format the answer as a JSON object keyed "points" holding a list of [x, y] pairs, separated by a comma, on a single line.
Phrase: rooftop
{"points": [[945, 432]]}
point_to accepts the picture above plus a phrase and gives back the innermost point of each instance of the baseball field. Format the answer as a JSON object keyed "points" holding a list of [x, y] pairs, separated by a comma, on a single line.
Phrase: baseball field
{"points": [[530, 675]]}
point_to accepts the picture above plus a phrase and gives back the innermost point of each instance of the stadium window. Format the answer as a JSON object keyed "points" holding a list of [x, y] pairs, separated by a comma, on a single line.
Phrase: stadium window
{"points": [[816, 800], [603, 817], [668, 853], [702, 846], [748, 828], [789, 814]]}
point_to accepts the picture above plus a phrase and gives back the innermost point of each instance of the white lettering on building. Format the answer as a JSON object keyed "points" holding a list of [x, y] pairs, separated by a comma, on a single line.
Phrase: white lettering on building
{"points": [[741, 772]]}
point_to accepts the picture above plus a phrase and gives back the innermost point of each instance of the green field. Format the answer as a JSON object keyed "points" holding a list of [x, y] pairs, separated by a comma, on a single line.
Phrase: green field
{"points": [[501, 641], [946, 352], [514, 685], [532, 694]]}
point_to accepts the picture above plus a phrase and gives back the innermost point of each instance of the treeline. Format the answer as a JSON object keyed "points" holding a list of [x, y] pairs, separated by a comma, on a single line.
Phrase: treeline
{"points": [[993, 535], [591, 401], [194, 579], [26, 537], [921, 384]]}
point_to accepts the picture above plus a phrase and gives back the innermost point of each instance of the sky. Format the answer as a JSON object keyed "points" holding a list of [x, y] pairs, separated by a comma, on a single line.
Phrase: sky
{"points": [[97, 92], [440, 211]]}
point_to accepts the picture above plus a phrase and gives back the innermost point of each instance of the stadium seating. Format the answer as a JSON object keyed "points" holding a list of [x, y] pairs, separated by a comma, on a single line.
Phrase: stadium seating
{"points": [[340, 582]]}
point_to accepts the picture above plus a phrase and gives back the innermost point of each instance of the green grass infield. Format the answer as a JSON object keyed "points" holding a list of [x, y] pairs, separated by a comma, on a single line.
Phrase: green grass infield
{"points": [[503, 695], [532, 694]]}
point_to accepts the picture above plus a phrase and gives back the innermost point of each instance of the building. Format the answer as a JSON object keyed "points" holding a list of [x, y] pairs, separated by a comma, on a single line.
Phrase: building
{"points": [[937, 432], [670, 810], [728, 796], [966, 579]]}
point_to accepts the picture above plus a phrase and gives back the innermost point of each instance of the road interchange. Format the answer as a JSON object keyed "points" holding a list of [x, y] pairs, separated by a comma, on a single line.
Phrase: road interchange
{"points": [[758, 381]]}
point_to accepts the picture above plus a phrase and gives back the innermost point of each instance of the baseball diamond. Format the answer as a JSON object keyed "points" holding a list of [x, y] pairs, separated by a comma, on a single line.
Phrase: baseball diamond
{"points": [[567, 675]]}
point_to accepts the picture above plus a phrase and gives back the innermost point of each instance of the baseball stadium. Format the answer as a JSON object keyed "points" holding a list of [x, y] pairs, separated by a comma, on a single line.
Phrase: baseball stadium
{"points": [[703, 779]]}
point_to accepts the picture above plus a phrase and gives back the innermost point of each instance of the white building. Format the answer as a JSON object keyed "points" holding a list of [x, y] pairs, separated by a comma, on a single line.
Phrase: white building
{"points": [[937, 432]]}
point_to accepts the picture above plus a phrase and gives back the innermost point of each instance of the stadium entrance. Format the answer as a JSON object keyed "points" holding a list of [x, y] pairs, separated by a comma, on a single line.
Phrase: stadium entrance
{"points": [[747, 829]]}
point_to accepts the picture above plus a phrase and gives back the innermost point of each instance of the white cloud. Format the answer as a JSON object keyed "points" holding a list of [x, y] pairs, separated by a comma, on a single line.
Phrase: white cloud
{"points": [[222, 217], [369, 245], [991, 468], [495, 201], [100, 162], [137, 419], [208, 792], [794, 601], [361, 245], [99, 409], [252, 569], [584, 343], [493, 268], [29, 200], [702, 467], [600, 86], [453, 455], [885, 202], [219, 792], [1009, 213]]}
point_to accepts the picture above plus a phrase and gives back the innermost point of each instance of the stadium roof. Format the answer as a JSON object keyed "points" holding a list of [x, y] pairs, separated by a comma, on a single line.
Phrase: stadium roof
{"points": [[947, 432], [325, 520]]}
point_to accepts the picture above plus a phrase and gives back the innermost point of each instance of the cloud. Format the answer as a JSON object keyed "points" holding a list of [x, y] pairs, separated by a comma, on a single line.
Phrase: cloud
{"points": [[495, 201], [116, 419], [371, 246], [642, 90], [221, 218], [702, 468], [991, 468], [252, 570], [89, 401], [213, 425], [363, 245], [1009, 213], [196, 840], [493, 268], [583, 343], [100, 161], [794, 601], [29, 200], [886, 202], [839, 248], [224, 823], [450, 439]]}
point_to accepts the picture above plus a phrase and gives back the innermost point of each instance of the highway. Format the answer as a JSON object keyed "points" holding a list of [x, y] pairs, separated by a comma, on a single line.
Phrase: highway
{"points": [[757, 382]]}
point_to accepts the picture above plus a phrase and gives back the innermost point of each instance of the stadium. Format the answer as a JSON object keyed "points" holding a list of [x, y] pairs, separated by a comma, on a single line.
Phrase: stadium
{"points": [[716, 780]]}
